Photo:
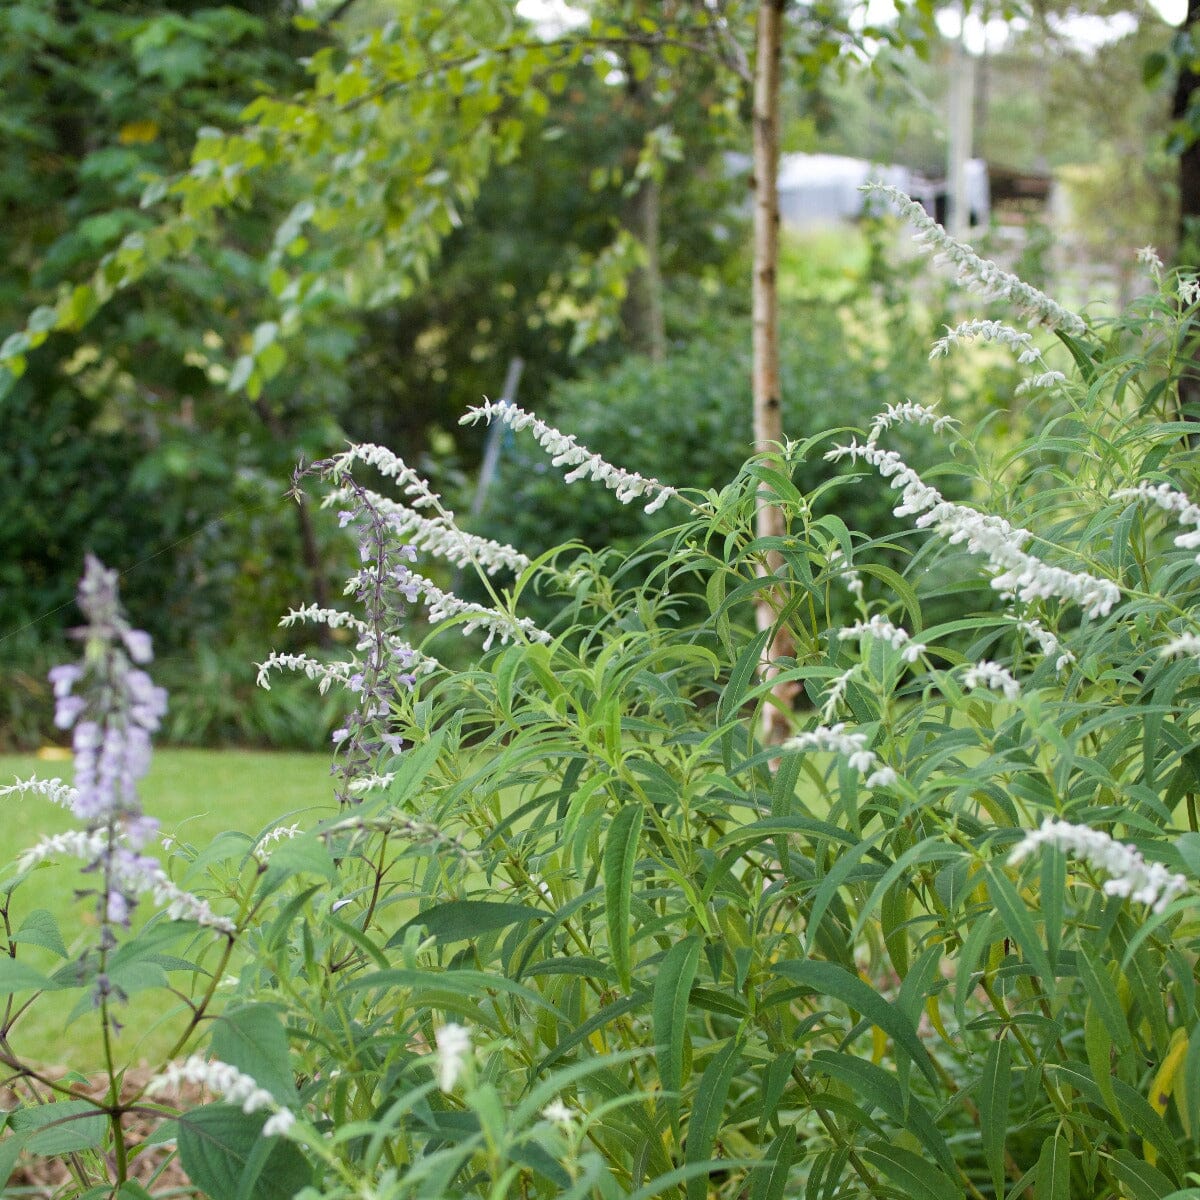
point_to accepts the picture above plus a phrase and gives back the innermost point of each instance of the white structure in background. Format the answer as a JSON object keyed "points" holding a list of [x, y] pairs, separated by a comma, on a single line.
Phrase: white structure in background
{"points": [[823, 189]]}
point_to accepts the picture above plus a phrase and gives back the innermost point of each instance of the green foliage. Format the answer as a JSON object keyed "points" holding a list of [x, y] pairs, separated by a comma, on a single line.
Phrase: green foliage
{"points": [[689, 418], [587, 936]]}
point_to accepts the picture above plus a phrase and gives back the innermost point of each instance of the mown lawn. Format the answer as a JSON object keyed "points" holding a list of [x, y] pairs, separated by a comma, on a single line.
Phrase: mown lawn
{"points": [[197, 795]]}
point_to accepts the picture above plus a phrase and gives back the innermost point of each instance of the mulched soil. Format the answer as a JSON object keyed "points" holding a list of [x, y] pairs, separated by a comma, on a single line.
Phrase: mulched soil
{"points": [[45, 1178]]}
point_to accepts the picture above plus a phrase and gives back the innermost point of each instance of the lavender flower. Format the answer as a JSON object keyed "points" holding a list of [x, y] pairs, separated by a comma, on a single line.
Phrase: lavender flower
{"points": [[113, 708], [117, 708]]}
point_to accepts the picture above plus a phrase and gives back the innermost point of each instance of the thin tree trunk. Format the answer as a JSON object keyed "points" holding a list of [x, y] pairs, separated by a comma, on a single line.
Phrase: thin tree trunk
{"points": [[643, 309], [1189, 160], [765, 387], [1187, 253], [642, 312]]}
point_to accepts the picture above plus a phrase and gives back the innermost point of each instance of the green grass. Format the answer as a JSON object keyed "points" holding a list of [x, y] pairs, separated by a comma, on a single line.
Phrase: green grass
{"points": [[196, 794]]}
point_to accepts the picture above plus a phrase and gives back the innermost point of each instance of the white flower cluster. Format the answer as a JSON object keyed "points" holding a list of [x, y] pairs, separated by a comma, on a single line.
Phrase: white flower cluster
{"points": [[444, 605], [853, 580], [908, 413], [1021, 344], [1015, 572], [314, 614], [1036, 382], [453, 1046], [978, 273], [77, 843], [565, 452], [557, 1112], [179, 905], [1189, 291], [1186, 644], [54, 790], [132, 874], [230, 1084], [390, 465], [1047, 643], [991, 675], [882, 630], [1148, 257], [853, 746], [1167, 498], [837, 690], [440, 536], [326, 673], [1130, 874]]}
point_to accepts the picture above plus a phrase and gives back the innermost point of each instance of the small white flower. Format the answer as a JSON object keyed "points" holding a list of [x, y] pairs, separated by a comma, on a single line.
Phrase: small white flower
{"points": [[1021, 344], [1189, 291], [559, 1113], [1037, 382], [1186, 644], [439, 535], [230, 1084], [852, 746], [453, 1046], [991, 675], [837, 691], [909, 413], [881, 629], [1130, 874], [1148, 257]]}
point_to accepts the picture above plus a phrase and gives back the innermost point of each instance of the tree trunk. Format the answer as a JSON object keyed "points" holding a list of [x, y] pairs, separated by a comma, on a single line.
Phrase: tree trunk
{"points": [[1189, 161], [642, 312], [765, 388], [1187, 253]]}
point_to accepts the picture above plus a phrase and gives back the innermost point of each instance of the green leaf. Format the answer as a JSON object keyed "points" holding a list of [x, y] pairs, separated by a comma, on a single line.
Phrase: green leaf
{"points": [[1098, 1045], [829, 979], [1053, 1170], [770, 1181], [881, 1090], [915, 1177], [41, 929], [224, 1155], [1141, 1180], [461, 920], [669, 1017], [708, 1109], [1018, 922], [10, 1149], [252, 1038], [17, 977], [734, 692], [994, 1085], [620, 857], [60, 1128]]}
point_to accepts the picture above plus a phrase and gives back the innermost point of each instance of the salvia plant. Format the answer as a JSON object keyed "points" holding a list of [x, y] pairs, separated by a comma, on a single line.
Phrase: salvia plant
{"points": [[571, 930]]}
